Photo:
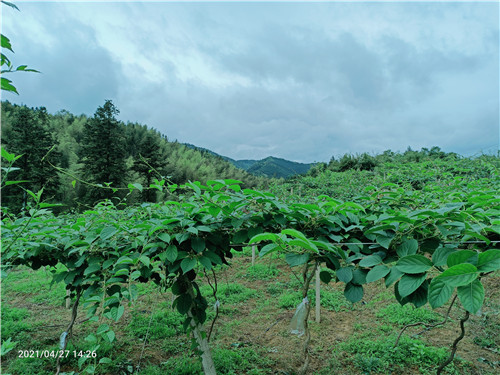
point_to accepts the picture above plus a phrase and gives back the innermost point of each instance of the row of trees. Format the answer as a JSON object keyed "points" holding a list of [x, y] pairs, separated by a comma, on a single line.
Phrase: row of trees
{"points": [[97, 151], [367, 162]]}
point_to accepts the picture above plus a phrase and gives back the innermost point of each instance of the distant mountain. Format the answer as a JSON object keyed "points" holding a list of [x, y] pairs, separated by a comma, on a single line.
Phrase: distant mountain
{"points": [[276, 167], [268, 167]]}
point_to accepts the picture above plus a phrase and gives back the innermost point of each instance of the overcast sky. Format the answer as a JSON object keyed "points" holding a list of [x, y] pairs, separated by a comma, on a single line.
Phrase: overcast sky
{"points": [[301, 81]]}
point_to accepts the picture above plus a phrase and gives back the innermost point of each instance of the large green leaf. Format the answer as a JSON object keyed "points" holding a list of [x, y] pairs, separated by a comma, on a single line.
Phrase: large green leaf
{"points": [[171, 253], [183, 303], [377, 273], [462, 256], [461, 274], [296, 259], [353, 293], [370, 261], [439, 292], [188, 264], [344, 274], [393, 276], [198, 244], [409, 247], [409, 283], [413, 264], [440, 256], [471, 296], [489, 260]]}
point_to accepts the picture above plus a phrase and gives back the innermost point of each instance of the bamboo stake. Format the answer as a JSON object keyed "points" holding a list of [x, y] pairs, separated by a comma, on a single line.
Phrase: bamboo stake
{"points": [[318, 299]]}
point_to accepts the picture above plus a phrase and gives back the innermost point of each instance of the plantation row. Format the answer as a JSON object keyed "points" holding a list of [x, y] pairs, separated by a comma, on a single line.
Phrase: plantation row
{"points": [[426, 243]]}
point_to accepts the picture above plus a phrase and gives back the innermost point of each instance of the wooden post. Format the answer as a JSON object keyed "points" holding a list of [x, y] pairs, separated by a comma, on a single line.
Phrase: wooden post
{"points": [[318, 299], [254, 247]]}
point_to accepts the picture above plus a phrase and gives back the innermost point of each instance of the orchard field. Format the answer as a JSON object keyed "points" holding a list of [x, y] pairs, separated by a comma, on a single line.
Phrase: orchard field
{"points": [[408, 258]]}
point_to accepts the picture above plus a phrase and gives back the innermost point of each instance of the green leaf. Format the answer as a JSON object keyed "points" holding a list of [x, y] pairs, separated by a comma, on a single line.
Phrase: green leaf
{"points": [[6, 155], [359, 276], [384, 241], [198, 244], [461, 274], [325, 276], [183, 303], [344, 274], [439, 292], [171, 253], [489, 261], [205, 262], [463, 256], [409, 283], [92, 268], [165, 237], [109, 336], [105, 360], [6, 42], [188, 264], [413, 264], [377, 273], [471, 296], [296, 259], [294, 233], [267, 249], [353, 293], [409, 247], [135, 186], [102, 328], [419, 297], [135, 275], [393, 276], [440, 256], [6, 85], [371, 260], [262, 237], [107, 232], [124, 260], [145, 260], [115, 313]]}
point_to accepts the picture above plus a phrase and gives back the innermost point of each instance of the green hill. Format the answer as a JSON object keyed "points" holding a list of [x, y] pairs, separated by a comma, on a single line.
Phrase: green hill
{"points": [[268, 167]]}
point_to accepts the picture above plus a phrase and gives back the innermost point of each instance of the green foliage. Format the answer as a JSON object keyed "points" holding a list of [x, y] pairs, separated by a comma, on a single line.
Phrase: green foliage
{"points": [[103, 153], [261, 272], [380, 356], [14, 321], [163, 323], [27, 134], [403, 315]]}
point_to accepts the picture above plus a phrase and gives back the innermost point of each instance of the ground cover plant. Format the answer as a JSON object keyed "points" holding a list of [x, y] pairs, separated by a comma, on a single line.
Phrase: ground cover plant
{"points": [[435, 246]]}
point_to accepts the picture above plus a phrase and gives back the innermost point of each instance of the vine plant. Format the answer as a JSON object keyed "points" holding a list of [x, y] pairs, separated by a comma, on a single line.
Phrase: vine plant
{"points": [[101, 254]]}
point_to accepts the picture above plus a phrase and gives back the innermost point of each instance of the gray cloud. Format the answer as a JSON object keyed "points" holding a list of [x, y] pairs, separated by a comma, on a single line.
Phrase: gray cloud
{"points": [[299, 81]]}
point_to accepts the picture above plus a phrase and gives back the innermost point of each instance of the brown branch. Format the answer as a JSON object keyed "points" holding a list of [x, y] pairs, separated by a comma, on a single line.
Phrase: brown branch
{"points": [[214, 290], [455, 343], [427, 326]]}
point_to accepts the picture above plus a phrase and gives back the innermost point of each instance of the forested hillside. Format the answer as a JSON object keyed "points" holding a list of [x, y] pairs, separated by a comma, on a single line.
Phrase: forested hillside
{"points": [[268, 167], [98, 150]]}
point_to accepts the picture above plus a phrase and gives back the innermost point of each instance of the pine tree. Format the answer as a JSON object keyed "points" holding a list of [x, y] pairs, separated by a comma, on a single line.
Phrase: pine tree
{"points": [[150, 155], [28, 135], [103, 153]]}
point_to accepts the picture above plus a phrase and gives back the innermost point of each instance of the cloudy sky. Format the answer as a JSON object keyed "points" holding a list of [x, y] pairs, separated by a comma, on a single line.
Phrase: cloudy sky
{"points": [[301, 81]]}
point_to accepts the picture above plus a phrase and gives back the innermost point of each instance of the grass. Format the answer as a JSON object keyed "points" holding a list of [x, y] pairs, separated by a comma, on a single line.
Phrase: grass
{"points": [[162, 323], [255, 314], [380, 356], [261, 272], [407, 314]]}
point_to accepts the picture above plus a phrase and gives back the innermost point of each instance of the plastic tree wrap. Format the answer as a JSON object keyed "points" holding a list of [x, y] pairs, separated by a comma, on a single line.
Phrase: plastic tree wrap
{"points": [[298, 321]]}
